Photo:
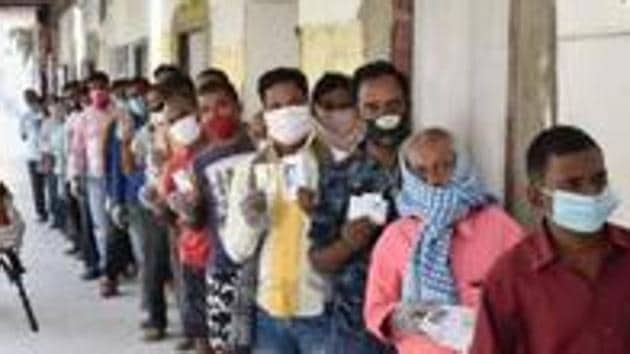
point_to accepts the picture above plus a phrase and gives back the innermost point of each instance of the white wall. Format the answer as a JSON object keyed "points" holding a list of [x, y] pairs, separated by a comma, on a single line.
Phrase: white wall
{"points": [[460, 78], [270, 41], [127, 22], [160, 27], [66, 54], [594, 81], [583, 17], [321, 11], [227, 21]]}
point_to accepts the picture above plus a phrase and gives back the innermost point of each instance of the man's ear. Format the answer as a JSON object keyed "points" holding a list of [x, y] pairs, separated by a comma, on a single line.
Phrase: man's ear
{"points": [[535, 196]]}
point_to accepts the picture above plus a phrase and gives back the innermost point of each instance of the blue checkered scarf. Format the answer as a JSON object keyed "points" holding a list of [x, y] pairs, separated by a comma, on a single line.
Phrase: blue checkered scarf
{"points": [[429, 278]]}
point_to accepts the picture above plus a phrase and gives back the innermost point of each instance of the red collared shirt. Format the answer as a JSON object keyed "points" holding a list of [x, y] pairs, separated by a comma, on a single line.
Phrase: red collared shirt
{"points": [[533, 303]]}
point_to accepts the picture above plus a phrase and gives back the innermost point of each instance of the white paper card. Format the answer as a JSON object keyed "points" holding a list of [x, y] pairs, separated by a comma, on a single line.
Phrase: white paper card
{"points": [[183, 181], [450, 326], [369, 205], [295, 175]]}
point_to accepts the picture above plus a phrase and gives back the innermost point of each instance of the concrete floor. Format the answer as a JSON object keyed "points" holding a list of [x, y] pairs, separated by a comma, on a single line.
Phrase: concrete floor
{"points": [[72, 317]]}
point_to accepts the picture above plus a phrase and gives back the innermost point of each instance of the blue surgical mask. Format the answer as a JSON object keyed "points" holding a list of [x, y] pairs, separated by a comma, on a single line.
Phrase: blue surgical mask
{"points": [[583, 214]]}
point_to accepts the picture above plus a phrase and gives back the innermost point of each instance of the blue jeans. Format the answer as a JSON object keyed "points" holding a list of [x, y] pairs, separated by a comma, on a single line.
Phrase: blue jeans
{"points": [[96, 194], [194, 303], [56, 203], [299, 335], [345, 340]]}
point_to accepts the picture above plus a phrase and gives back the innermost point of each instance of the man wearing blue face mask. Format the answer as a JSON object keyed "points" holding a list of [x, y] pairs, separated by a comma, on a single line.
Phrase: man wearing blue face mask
{"points": [[563, 289]]}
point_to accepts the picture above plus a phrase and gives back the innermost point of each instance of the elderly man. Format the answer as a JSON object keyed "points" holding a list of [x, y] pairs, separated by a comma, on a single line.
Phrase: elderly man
{"points": [[430, 263], [565, 288]]}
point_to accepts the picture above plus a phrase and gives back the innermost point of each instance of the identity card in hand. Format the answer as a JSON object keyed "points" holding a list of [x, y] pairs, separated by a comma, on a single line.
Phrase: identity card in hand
{"points": [[183, 181], [295, 174], [368, 205]]}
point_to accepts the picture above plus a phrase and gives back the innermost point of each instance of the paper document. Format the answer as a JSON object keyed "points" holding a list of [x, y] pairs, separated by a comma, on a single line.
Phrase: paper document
{"points": [[450, 326]]}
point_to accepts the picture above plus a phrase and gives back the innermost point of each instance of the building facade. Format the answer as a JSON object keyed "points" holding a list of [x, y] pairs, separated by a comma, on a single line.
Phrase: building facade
{"points": [[495, 72]]}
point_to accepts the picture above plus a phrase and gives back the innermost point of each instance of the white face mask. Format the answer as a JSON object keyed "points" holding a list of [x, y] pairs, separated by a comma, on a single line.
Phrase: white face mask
{"points": [[185, 131], [339, 155], [289, 125], [157, 118]]}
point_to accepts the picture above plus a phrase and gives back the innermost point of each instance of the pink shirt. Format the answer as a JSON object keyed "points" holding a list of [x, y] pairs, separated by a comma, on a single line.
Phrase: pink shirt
{"points": [[477, 242], [87, 141]]}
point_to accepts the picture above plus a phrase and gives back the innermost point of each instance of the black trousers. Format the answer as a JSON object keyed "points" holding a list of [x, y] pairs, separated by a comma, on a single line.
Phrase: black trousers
{"points": [[194, 303], [119, 254], [38, 188], [157, 270], [72, 219]]}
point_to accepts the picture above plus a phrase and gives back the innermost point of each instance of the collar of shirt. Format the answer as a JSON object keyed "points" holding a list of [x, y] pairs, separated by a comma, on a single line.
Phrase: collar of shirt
{"points": [[545, 254], [270, 153]]}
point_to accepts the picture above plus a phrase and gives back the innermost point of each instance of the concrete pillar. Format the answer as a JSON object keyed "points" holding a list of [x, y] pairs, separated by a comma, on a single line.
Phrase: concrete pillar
{"points": [[532, 90], [460, 61], [227, 28], [270, 41], [161, 46]]}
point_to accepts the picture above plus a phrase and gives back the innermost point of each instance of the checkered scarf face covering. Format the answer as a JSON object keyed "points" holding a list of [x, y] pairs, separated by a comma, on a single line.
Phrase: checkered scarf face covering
{"points": [[429, 278]]}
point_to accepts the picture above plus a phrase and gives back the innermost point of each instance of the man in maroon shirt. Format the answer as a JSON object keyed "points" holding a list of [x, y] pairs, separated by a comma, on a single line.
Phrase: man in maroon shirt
{"points": [[565, 289]]}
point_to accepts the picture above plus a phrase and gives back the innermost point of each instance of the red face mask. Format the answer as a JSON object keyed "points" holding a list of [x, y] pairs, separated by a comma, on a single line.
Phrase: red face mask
{"points": [[100, 98], [221, 127]]}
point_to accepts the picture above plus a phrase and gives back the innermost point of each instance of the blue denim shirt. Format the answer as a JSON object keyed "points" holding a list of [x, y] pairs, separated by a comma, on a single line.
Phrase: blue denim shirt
{"points": [[121, 188], [338, 183], [114, 177]]}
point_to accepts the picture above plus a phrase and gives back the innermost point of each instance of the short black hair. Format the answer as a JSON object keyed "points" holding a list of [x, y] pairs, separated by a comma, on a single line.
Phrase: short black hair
{"points": [[120, 84], [556, 141], [164, 69], [70, 86], [140, 82], [218, 86], [30, 93], [329, 82], [4, 191], [99, 76], [282, 75], [375, 70], [178, 84], [216, 74]]}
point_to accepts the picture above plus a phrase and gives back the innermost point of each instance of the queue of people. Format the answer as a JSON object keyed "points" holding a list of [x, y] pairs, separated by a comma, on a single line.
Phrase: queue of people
{"points": [[323, 224]]}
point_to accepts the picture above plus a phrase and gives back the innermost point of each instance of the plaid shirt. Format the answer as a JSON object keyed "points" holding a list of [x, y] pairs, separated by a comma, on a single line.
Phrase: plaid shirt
{"points": [[339, 181]]}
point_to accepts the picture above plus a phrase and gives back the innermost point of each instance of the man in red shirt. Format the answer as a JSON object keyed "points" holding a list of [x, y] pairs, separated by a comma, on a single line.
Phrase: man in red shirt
{"points": [[177, 188], [563, 290]]}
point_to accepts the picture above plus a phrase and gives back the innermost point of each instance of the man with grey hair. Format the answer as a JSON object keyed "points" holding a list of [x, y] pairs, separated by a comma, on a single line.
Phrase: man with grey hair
{"points": [[428, 265]]}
